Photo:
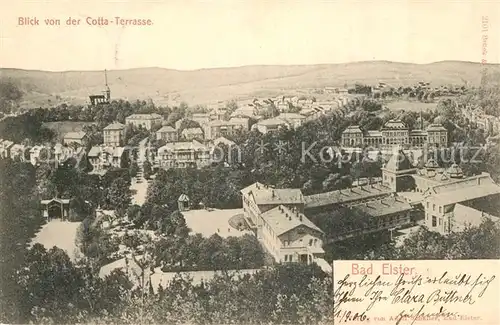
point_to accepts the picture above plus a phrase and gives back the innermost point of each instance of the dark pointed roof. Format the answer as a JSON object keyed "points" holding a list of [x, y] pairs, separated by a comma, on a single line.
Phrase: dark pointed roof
{"points": [[431, 164], [455, 171], [399, 161]]}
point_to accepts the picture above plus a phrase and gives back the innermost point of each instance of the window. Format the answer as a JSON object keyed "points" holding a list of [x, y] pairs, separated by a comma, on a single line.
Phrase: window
{"points": [[433, 207], [310, 242], [427, 205], [287, 243], [434, 221], [286, 258]]}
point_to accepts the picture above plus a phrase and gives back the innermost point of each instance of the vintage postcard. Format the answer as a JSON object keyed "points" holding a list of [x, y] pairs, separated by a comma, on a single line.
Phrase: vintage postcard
{"points": [[250, 162]]}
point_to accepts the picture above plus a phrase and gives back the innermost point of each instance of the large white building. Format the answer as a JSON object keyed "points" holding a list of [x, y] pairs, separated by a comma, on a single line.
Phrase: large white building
{"points": [[191, 154], [146, 121], [276, 216]]}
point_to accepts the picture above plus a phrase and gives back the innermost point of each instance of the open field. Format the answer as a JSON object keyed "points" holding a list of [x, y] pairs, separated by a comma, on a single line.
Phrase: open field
{"points": [[61, 234], [222, 84], [212, 222], [412, 106]]}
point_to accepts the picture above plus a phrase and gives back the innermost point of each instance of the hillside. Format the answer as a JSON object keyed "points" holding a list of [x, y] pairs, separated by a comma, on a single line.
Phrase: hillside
{"points": [[211, 85]]}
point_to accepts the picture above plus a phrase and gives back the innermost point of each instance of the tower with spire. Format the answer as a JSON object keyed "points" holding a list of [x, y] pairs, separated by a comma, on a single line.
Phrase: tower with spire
{"points": [[107, 91], [105, 98]]}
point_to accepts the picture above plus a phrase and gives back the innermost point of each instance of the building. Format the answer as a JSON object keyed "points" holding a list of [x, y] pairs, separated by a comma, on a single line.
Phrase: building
{"points": [[57, 209], [183, 155], [437, 135], [167, 134], [146, 121], [216, 129], [201, 118], [329, 201], [441, 204], [437, 191], [289, 236], [192, 134], [277, 218], [395, 133], [387, 213], [75, 137], [183, 203], [352, 137], [397, 172], [246, 111], [258, 198], [114, 135], [270, 125], [103, 158], [293, 119], [105, 98]]}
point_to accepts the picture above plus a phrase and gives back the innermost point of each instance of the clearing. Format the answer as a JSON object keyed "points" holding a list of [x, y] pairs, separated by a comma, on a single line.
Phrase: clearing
{"points": [[209, 222], [411, 106], [61, 234]]}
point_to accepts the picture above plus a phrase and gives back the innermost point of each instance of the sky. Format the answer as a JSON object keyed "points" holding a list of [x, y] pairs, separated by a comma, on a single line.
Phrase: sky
{"points": [[188, 35]]}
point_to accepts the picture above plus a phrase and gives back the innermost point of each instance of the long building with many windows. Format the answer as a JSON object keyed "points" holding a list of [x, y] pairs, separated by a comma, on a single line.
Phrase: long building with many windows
{"points": [[393, 133]]}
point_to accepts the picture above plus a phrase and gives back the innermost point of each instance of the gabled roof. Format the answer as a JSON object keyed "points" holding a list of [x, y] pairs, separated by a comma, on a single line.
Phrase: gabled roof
{"points": [[353, 129], [166, 128], [398, 162], [282, 219], [94, 151], [183, 198], [152, 116], [383, 207], [183, 145], [192, 131], [264, 194], [272, 121], [436, 127], [292, 116], [394, 125], [115, 126], [465, 194], [254, 186], [55, 200], [75, 135], [224, 141], [346, 196], [374, 134], [278, 196]]}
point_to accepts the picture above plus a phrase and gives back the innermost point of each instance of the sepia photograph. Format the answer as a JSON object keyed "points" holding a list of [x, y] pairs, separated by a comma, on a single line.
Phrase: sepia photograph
{"points": [[249, 162]]}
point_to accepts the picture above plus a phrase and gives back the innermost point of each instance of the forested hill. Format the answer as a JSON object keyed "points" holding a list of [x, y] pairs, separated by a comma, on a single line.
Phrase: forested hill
{"points": [[211, 85]]}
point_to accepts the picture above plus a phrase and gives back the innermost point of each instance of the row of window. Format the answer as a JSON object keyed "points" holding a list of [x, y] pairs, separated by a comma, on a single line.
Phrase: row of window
{"points": [[311, 242], [434, 207]]}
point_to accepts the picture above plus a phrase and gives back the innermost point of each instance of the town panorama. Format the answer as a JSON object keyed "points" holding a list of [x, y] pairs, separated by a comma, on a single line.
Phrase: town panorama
{"points": [[233, 211]]}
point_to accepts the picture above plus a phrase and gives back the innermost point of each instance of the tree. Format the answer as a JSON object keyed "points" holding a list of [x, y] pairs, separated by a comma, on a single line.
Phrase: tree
{"points": [[118, 195], [133, 169], [147, 169]]}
